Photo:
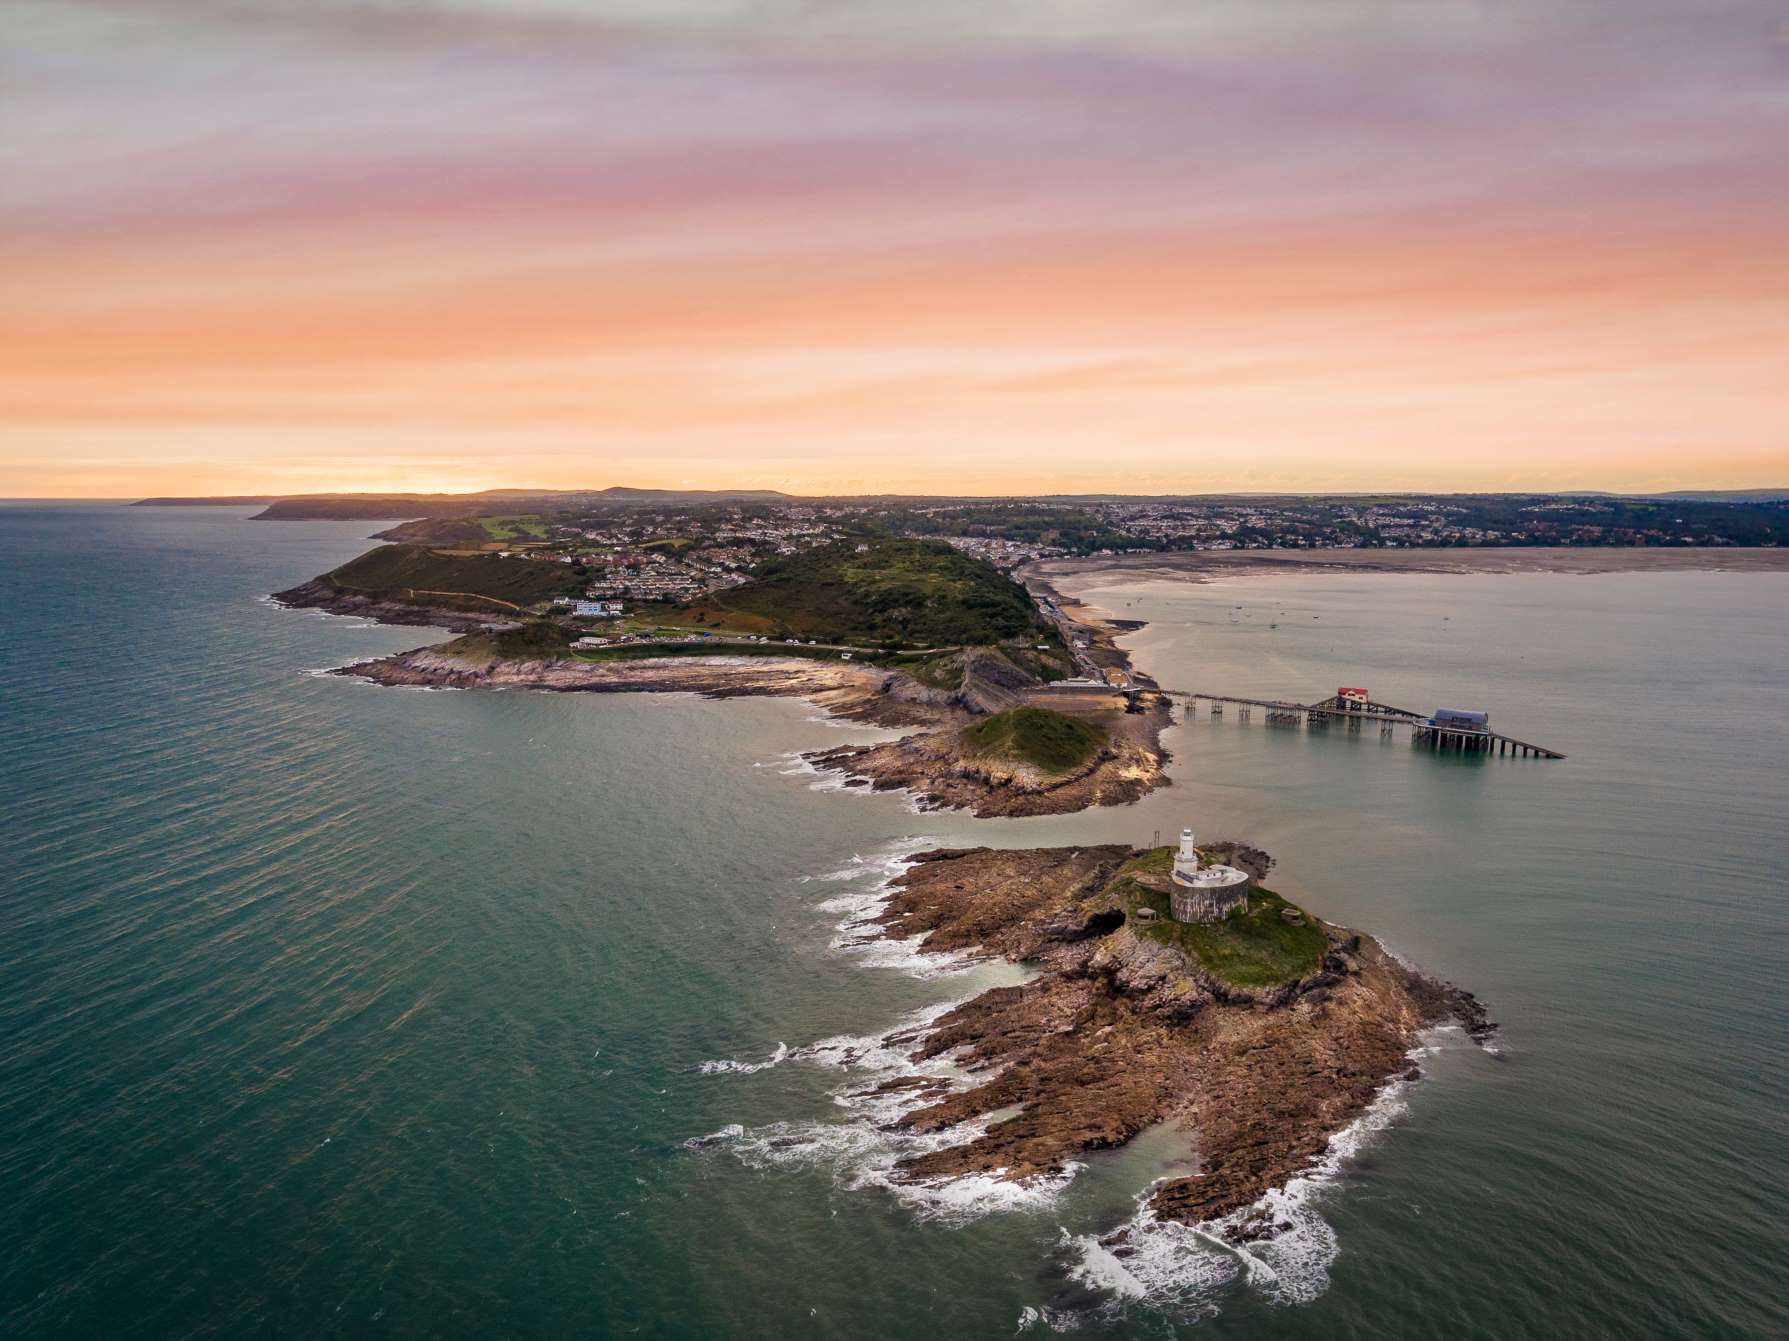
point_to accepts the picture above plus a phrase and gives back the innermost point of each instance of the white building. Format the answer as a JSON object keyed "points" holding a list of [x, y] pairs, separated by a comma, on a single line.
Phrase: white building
{"points": [[1204, 893]]}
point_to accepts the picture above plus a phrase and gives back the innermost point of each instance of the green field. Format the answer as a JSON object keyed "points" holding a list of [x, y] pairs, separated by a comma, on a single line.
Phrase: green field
{"points": [[1254, 947], [520, 526], [902, 592], [1051, 741], [419, 574]]}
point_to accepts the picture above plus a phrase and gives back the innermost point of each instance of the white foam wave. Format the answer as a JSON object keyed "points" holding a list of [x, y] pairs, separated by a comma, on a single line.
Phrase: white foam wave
{"points": [[730, 1067], [828, 779], [857, 932], [827, 719], [1182, 1269], [799, 766], [731, 1132], [863, 1150], [1054, 1319]]}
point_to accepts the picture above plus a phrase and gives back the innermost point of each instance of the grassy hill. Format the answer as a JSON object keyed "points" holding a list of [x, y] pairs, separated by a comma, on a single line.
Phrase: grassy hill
{"points": [[1051, 741], [915, 592], [541, 640], [418, 574]]}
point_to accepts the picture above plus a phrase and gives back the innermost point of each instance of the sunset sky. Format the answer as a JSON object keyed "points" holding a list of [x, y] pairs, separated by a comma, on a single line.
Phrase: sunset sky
{"points": [[919, 245]]}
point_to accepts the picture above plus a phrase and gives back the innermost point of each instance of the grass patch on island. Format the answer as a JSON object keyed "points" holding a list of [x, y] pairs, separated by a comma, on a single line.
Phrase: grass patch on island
{"points": [[1250, 948], [1051, 741]]}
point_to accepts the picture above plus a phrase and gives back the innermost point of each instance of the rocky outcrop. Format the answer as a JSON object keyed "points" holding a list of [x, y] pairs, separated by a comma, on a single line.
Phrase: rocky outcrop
{"points": [[318, 594], [1119, 1032], [991, 683], [860, 693], [944, 775]]}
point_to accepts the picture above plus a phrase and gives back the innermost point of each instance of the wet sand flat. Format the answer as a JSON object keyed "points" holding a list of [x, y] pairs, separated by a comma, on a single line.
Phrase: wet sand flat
{"points": [[1206, 565]]}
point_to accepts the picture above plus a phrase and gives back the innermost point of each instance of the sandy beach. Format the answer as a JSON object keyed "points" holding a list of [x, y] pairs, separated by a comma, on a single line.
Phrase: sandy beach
{"points": [[1206, 565]]}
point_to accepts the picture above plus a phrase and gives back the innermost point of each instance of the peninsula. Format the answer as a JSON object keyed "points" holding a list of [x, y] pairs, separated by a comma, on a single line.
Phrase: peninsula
{"points": [[1020, 707]]}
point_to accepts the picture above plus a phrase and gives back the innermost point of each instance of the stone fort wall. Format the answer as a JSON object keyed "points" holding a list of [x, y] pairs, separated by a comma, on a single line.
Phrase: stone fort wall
{"points": [[1207, 905]]}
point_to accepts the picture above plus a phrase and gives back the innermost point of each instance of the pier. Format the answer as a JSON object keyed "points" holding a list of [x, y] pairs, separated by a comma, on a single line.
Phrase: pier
{"points": [[1467, 733]]}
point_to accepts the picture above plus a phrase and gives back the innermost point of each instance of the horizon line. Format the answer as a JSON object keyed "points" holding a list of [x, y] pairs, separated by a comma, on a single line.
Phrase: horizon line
{"points": [[252, 498]]}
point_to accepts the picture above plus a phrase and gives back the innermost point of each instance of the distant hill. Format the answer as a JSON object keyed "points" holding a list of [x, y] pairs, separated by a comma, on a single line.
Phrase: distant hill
{"points": [[414, 506], [617, 493], [1722, 496], [912, 591], [407, 507]]}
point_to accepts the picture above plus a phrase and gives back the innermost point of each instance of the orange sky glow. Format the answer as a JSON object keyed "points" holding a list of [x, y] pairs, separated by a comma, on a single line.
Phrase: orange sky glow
{"points": [[268, 248]]}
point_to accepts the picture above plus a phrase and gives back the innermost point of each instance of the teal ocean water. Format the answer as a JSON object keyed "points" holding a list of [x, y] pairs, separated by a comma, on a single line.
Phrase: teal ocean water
{"points": [[329, 1010]]}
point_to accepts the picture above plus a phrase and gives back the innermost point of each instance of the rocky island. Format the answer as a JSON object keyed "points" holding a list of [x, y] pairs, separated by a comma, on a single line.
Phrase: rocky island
{"points": [[1262, 1033], [1021, 761]]}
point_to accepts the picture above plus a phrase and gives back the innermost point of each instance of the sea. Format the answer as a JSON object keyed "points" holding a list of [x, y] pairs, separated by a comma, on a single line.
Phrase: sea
{"points": [[334, 1010]]}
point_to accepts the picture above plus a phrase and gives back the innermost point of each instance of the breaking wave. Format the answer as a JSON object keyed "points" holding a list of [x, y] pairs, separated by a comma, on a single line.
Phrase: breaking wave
{"points": [[1184, 1269], [798, 765], [745, 1068], [858, 934], [863, 1150]]}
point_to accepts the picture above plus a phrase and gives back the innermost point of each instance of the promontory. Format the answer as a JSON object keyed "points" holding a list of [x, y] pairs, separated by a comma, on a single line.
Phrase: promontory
{"points": [[1020, 708]]}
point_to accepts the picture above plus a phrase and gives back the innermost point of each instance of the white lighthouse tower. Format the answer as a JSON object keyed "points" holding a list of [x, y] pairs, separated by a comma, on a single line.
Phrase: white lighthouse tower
{"points": [[1186, 861], [1203, 894]]}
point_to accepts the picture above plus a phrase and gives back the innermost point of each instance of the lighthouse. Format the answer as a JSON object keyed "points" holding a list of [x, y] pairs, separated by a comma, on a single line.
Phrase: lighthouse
{"points": [[1186, 861], [1203, 894]]}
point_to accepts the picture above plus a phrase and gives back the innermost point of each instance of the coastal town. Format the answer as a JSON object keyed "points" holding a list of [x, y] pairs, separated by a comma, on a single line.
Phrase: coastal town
{"points": [[626, 552]]}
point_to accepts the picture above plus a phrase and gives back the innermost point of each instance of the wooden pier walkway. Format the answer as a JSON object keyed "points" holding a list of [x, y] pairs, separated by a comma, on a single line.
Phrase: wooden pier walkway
{"points": [[1325, 712]]}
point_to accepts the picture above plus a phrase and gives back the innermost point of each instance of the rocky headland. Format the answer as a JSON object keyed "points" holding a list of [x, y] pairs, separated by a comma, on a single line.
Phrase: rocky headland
{"points": [[1125, 1025], [854, 692], [946, 772], [320, 594]]}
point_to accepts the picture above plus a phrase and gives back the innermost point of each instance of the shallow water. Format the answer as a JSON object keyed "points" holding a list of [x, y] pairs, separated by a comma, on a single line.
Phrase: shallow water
{"points": [[333, 1010]]}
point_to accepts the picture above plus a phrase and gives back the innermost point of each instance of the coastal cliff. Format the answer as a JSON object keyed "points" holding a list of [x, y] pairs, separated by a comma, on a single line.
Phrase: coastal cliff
{"points": [[1123, 1027], [321, 594]]}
